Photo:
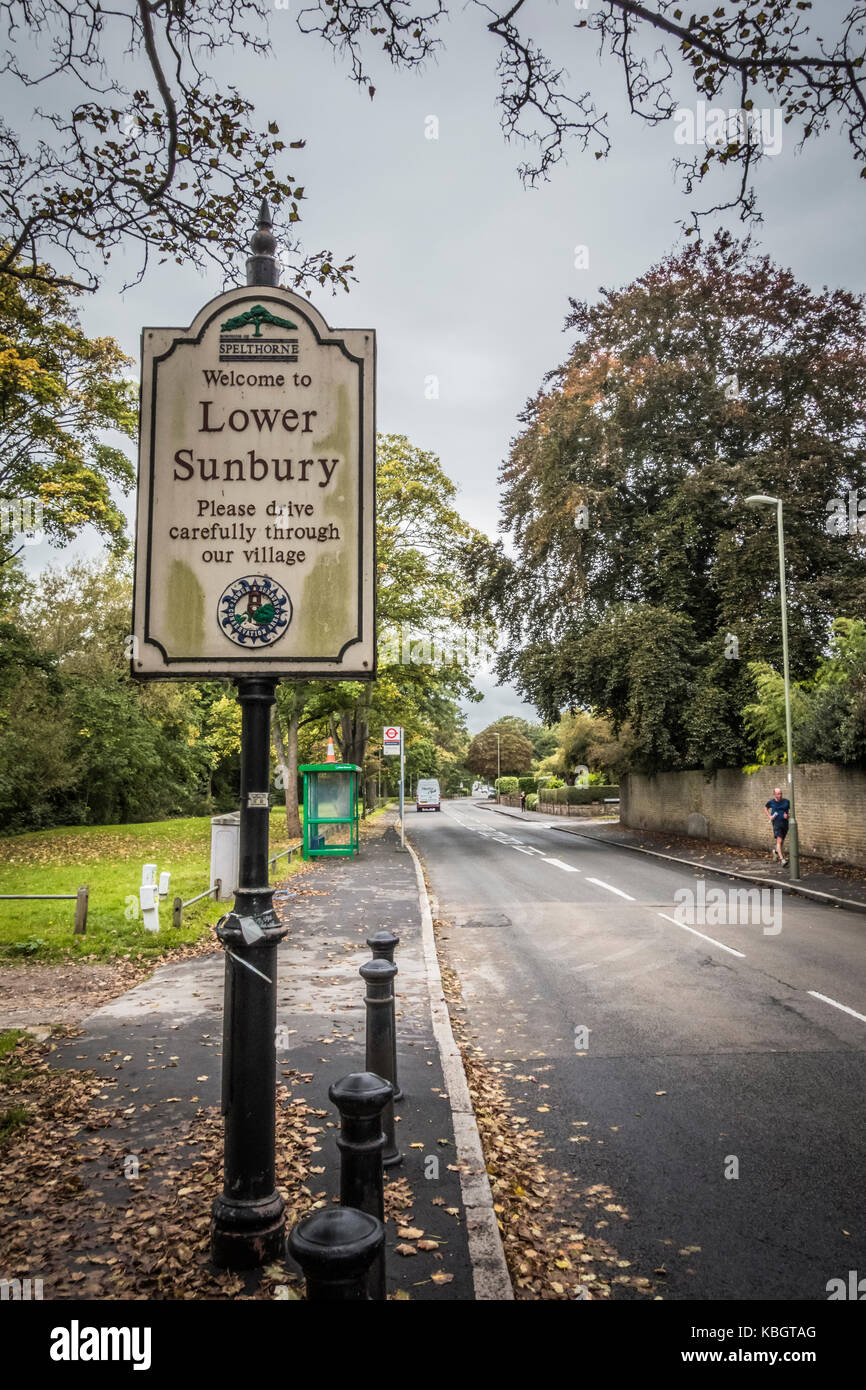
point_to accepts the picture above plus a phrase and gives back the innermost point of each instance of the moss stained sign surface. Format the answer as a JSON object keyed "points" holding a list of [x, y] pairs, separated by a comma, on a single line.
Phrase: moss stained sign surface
{"points": [[255, 533]]}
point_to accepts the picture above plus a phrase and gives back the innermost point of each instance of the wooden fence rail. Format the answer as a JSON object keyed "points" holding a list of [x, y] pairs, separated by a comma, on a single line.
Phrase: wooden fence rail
{"points": [[80, 899]]}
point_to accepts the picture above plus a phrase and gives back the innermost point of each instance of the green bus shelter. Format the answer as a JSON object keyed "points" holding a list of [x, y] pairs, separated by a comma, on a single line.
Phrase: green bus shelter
{"points": [[330, 798]]}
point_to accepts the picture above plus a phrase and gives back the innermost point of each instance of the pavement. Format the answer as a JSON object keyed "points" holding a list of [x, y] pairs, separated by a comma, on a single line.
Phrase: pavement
{"points": [[836, 885], [158, 1046], [705, 1074]]}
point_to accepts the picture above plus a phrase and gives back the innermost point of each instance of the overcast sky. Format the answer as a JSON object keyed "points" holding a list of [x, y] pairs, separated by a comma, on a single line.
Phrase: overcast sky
{"points": [[463, 273]]}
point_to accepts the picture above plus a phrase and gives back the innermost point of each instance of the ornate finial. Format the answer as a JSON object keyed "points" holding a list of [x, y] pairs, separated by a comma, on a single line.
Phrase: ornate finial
{"points": [[262, 268]]}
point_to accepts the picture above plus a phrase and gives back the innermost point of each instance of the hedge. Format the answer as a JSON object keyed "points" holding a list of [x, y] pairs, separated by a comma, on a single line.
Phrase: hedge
{"points": [[579, 796], [506, 785], [531, 801]]}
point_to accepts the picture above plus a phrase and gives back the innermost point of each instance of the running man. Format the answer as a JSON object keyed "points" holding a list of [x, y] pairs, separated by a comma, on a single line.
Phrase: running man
{"points": [[777, 813]]}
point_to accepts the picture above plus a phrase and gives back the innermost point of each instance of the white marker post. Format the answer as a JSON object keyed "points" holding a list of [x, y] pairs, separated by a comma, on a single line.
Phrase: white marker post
{"points": [[149, 900]]}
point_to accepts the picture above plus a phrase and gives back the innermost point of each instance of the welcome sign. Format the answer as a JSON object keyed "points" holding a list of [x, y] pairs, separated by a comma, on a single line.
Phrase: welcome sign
{"points": [[255, 535]]}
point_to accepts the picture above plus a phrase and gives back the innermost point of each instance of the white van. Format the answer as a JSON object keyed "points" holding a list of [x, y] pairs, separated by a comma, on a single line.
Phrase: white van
{"points": [[427, 796]]}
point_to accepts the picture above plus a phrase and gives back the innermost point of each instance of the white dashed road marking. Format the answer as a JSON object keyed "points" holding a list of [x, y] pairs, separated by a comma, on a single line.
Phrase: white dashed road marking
{"points": [[721, 945], [569, 868], [825, 999], [610, 888]]}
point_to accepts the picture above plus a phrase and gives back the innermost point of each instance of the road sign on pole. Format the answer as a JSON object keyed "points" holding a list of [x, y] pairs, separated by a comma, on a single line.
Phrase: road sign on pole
{"points": [[402, 794], [392, 745], [255, 559]]}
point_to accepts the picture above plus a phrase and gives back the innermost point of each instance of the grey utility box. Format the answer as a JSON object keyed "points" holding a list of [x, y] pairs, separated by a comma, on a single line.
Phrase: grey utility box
{"points": [[225, 834]]}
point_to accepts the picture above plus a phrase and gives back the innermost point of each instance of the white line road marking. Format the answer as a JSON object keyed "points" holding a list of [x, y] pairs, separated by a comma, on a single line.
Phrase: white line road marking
{"points": [[569, 868], [721, 945], [521, 850], [610, 888], [836, 1005]]}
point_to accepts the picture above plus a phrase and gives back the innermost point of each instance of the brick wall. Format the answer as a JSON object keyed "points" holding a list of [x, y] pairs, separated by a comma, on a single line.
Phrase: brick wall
{"points": [[831, 807]]}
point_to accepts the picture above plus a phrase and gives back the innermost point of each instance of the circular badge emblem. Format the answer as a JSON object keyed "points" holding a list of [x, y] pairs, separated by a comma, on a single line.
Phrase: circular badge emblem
{"points": [[254, 611]]}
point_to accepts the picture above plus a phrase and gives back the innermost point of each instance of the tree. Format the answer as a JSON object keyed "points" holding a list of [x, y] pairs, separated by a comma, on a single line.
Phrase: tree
{"points": [[421, 599], [81, 742], [286, 716], [60, 394], [828, 712], [748, 51], [511, 754], [423, 759], [544, 741], [587, 741], [640, 585], [153, 151]]}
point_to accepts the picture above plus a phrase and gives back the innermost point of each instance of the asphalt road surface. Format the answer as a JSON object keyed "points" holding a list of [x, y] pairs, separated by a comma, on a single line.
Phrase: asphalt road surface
{"points": [[677, 1047]]}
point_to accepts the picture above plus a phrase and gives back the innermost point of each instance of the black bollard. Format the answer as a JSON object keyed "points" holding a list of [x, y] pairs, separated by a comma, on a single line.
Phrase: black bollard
{"points": [[383, 945], [335, 1249], [360, 1099], [379, 977]]}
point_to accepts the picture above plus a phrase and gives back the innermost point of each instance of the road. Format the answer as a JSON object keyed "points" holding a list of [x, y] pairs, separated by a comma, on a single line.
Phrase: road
{"points": [[704, 1044]]}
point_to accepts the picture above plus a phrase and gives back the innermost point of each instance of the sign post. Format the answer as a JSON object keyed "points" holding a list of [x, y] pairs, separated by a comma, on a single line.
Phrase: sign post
{"points": [[392, 744], [255, 559]]}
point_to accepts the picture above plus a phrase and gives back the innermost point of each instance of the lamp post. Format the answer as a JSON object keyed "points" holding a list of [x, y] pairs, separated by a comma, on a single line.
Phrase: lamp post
{"points": [[760, 500], [498, 756]]}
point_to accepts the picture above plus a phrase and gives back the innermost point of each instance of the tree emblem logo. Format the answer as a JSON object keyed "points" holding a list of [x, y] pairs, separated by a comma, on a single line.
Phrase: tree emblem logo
{"points": [[254, 611], [257, 316]]}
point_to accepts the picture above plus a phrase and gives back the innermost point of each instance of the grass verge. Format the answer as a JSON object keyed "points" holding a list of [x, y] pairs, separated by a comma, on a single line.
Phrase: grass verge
{"points": [[109, 859]]}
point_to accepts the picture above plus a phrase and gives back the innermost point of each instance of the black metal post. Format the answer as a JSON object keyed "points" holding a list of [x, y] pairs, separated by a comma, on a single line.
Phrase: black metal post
{"points": [[379, 977], [360, 1099], [383, 945], [248, 1223], [248, 1226], [335, 1249]]}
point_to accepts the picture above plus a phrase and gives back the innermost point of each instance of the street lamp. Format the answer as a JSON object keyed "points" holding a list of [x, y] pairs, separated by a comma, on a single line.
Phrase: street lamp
{"points": [[498, 756], [760, 500]]}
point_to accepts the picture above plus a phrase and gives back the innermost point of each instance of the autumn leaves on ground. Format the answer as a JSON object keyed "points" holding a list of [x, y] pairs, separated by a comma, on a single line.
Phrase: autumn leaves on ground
{"points": [[93, 1220], [549, 1255]]}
